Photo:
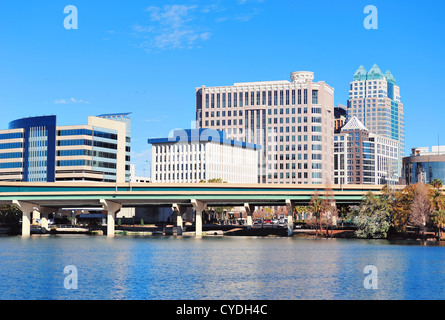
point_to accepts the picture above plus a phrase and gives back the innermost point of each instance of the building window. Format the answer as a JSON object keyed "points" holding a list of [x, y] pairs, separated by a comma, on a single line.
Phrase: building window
{"points": [[314, 96]]}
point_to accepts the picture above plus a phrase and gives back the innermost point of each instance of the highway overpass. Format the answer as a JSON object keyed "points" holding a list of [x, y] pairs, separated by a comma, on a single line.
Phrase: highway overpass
{"points": [[52, 196]]}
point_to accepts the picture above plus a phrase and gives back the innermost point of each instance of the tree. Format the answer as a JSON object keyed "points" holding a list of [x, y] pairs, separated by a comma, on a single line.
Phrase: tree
{"points": [[299, 211], [437, 199], [436, 183], [374, 217], [420, 207], [269, 210], [10, 215], [214, 180], [438, 219], [318, 207], [331, 212], [401, 207]]}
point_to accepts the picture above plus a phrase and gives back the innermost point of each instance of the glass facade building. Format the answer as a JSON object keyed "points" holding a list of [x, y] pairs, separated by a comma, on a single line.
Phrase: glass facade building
{"points": [[35, 149], [424, 165]]}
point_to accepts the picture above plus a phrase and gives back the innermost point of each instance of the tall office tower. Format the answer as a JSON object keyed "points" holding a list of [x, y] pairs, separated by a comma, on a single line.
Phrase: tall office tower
{"points": [[374, 98], [35, 149], [293, 121]]}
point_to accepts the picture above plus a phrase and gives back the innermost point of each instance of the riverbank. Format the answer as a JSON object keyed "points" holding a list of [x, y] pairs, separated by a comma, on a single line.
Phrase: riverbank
{"points": [[217, 230]]}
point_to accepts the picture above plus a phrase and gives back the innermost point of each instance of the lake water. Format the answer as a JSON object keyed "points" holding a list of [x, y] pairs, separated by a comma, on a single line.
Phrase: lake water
{"points": [[185, 268]]}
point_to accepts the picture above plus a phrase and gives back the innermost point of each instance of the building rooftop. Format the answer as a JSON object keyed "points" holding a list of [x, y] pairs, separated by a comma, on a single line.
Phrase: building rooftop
{"points": [[374, 73], [354, 124], [202, 135], [425, 151]]}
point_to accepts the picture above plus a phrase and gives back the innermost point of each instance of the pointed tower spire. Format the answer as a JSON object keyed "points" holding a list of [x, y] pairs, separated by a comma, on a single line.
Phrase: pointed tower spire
{"points": [[389, 77], [360, 74], [375, 73]]}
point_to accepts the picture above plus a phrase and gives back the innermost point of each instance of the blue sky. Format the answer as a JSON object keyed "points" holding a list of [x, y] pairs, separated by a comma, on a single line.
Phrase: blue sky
{"points": [[147, 57]]}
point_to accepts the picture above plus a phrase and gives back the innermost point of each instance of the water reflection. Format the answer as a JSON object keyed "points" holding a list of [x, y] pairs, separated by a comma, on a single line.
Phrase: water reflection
{"points": [[218, 268]]}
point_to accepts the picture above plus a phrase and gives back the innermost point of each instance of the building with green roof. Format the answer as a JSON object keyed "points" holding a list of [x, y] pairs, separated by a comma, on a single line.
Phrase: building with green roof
{"points": [[374, 98]]}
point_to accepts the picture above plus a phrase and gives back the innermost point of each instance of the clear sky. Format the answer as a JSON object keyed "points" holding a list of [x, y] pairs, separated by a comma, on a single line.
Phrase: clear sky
{"points": [[148, 57]]}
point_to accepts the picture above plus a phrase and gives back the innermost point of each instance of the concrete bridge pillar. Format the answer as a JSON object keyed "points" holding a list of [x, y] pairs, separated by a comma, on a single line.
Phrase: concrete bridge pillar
{"points": [[249, 210], [44, 214], [26, 208], [112, 208], [290, 223], [179, 210], [199, 207]]}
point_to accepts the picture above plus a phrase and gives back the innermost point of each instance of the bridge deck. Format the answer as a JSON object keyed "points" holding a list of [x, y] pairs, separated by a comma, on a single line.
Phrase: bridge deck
{"points": [[65, 194]]}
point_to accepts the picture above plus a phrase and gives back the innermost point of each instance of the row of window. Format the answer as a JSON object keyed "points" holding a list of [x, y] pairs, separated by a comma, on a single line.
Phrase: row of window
{"points": [[276, 97], [299, 175], [180, 176], [12, 145], [85, 142], [13, 135], [282, 111], [87, 132], [11, 155], [85, 152], [89, 163], [11, 165]]}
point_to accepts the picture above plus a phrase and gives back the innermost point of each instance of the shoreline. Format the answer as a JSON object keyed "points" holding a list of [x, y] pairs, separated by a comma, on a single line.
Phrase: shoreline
{"points": [[221, 230]]}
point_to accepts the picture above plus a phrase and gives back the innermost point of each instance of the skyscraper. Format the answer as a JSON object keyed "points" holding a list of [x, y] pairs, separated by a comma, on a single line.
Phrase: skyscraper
{"points": [[374, 98], [292, 121]]}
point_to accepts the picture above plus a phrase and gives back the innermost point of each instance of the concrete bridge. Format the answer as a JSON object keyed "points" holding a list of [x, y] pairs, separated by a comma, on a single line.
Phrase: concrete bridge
{"points": [[49, 197]]}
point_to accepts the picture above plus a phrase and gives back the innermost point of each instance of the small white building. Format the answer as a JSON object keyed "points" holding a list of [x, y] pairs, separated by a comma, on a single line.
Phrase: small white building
{"points": [[193, 155], [135, 178]]}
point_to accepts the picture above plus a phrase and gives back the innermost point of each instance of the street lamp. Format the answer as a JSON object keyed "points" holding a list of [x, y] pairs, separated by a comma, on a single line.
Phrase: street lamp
{"points": [[149, 167]]}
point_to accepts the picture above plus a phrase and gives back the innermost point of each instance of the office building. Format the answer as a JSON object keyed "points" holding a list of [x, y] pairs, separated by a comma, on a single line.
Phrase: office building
{"points": [[423, 165], [195, 155], [293, 121], [374, 98], [361, 157], [35, 149], [340, 116]]}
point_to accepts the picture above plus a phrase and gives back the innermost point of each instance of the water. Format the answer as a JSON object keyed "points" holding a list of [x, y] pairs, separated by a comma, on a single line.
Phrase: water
{"points": [[166, 268]]}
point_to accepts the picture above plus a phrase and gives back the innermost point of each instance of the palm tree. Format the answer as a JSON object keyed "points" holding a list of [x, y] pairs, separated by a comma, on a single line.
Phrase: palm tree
{"points": [[436, 183], [438, 218], [317, 207]]}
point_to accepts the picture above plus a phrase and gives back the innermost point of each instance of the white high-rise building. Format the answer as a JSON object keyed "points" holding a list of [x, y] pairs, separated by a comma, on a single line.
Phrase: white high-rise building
{"points": [[293, 121]]}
